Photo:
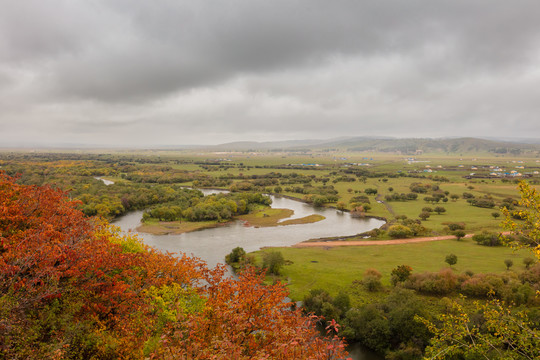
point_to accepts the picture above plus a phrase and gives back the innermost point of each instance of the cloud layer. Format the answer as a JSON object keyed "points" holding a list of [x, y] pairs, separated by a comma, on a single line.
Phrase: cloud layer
{"points": [[178, 72]]}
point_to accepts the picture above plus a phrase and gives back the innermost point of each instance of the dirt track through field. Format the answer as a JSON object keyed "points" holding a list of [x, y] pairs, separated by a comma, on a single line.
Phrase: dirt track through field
{"points": [[386, 205], [374, 242]]}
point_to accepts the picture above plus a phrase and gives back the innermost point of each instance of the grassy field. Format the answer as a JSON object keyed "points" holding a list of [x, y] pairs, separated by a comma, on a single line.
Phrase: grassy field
{"points": [[336, 268]]}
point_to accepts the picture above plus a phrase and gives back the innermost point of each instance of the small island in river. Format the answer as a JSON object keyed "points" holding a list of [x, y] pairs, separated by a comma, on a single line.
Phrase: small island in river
{"points": [[264, 217]]}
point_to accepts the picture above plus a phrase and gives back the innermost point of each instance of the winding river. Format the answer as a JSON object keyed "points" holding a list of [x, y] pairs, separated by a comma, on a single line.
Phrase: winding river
{"points": [[211, 245]]}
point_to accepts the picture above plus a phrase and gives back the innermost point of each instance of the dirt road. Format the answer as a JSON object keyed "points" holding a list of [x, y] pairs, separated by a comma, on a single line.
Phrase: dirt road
{"points": [[374, 242]]}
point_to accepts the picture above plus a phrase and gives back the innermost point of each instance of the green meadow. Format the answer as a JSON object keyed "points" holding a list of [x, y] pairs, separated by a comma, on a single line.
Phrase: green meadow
{"points": [[336, 268]]}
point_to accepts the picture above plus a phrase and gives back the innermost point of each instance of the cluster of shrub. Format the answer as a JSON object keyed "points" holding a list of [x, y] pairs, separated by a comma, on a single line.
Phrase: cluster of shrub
{"points": [[482, 203], [272, 261], [166, 177], [359, 205], [195, 207], [436, 194], [295, 178], [359, 199], [420, 188], [211, 182], [406, 228], [436, 197], [487, 238], [318, 195], [344, 178], [488, 202], [325, 190], [519, 289], [401, 197], [117, 199], [362, 174]]}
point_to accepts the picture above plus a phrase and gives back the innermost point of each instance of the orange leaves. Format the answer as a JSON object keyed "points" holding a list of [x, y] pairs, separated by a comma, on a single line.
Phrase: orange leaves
{"points": [[244, 319]]}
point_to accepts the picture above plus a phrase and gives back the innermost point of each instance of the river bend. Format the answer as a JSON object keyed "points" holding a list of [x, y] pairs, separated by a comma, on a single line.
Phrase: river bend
{"points": [[211, 245]]}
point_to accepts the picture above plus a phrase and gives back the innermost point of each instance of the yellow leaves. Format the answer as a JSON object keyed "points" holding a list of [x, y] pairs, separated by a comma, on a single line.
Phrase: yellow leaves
{"points": [[529, 225], [537, 251], [130, 243], [170, 301], [503, 332]]}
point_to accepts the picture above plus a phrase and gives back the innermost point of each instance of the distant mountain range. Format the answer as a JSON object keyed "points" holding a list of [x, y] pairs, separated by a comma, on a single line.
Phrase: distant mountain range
{"points": [[361, 144], [386, 144]]}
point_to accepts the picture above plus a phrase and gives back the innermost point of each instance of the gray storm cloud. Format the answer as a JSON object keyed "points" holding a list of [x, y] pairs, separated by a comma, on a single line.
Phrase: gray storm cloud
{"points": [[173, 72]]}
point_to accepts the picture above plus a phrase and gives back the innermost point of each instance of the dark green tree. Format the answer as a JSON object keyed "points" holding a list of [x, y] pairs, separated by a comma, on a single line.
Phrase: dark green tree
{"points": [[439, 209], [451, 259], [273, 261]]}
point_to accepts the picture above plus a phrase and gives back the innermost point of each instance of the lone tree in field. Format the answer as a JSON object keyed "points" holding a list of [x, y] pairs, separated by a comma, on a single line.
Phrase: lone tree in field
{"points": [[273, 261], [459, 234], [451, 259], [424, 215], [439, 210], [495, 214], [508, 263]]}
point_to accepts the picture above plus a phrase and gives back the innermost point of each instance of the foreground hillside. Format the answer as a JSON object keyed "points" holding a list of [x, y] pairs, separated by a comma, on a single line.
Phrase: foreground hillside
{"points": [[75, 288]]}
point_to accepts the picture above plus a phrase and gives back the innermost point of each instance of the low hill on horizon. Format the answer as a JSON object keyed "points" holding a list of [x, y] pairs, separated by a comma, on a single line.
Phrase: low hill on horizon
{"points": [[386, 144]]}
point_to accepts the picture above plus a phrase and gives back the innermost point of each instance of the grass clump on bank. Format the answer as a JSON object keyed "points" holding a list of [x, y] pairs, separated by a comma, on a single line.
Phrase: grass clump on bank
{"points": [[273, 217], [176, 227]]}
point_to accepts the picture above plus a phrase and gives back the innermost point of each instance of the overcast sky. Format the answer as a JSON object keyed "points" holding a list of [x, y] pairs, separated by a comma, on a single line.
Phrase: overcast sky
{"points": [[171, 72]]}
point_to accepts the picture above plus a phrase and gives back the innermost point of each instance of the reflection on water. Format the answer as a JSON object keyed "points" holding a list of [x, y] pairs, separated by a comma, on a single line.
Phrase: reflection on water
{"points": [[212, 245]]}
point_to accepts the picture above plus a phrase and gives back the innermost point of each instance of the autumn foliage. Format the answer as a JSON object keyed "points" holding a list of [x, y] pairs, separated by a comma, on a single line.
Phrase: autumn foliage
{"points": [[76, 288]]}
